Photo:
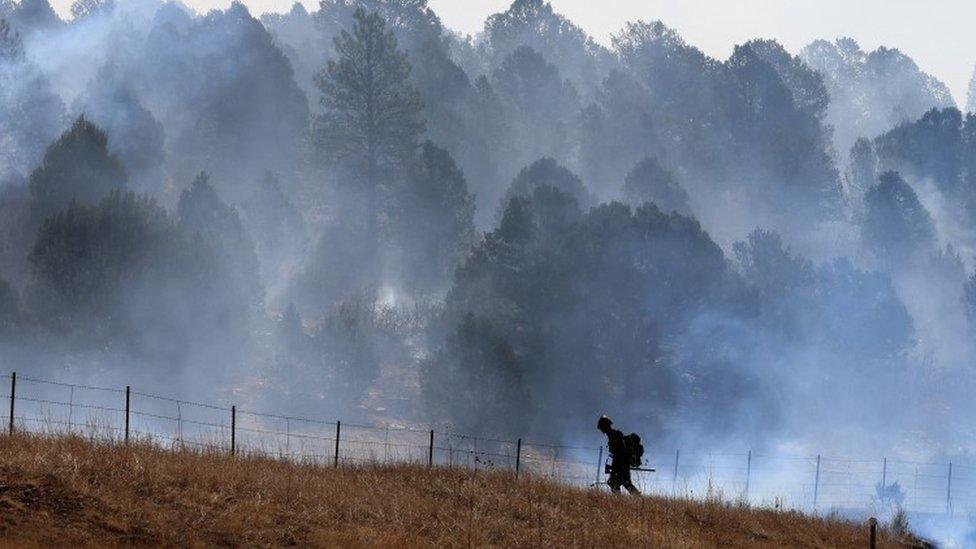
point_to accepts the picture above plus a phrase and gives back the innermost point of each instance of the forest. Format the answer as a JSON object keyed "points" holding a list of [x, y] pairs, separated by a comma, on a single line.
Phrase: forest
{"points": [[359, 212]]}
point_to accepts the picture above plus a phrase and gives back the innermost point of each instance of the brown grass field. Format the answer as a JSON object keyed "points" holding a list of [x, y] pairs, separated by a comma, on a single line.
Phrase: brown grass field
{"points": [[67, 491]]}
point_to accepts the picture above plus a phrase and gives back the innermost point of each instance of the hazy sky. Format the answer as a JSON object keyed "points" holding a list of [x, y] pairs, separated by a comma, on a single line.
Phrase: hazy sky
{"points": [[938, 34]]}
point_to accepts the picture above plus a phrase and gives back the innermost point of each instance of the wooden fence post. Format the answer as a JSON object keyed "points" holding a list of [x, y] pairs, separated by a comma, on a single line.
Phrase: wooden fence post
{"points": [[873, 536], [13, 396], [949, 492], [518, 456], [233, 430], [748, 472], [335, 460], [674, 480], [127, 394], [430, 450], [599, 466]]}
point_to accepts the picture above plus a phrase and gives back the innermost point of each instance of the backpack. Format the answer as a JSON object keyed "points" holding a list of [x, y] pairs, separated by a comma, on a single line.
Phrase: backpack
{"points": [[634, 449]]}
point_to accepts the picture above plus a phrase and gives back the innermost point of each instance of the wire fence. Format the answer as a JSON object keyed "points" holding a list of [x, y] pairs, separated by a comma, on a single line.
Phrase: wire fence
{"points": [[811, 483], [119, 414]]}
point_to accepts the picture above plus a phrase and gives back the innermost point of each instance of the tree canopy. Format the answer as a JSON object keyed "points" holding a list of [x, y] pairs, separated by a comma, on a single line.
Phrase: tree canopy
{"points": [[78, 167], [371, 116], [648, 181]]}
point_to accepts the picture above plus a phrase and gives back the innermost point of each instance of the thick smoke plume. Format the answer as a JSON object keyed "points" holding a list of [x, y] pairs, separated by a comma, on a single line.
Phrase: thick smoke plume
{"points": [[357, 212]]}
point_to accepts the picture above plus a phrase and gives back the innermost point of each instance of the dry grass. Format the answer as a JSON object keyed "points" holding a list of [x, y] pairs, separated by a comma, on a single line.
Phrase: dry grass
{"points": [[68, 492]]}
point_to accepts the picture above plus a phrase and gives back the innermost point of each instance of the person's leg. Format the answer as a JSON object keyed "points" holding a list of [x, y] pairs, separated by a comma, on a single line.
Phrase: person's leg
{"points": [[614, 480], [626, 483]]}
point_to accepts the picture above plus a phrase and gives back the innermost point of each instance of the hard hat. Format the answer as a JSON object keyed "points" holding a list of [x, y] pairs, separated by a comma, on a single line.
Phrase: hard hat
{"points": [[603, 422]]}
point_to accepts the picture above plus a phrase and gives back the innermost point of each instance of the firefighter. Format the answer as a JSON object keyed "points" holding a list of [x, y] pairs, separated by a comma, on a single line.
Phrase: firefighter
{"points": [[620, 458]]}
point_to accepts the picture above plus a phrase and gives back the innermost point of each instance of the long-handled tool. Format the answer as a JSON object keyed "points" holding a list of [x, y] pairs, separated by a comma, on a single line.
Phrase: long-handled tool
{"points": [[607, 468]]}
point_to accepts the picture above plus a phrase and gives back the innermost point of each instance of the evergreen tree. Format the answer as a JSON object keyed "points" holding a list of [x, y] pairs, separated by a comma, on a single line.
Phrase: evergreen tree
{"points": [[583, 300], [135, 218], [76, 168], [534, 24], [784, 283], [31, 114], [548, 172], [134, 133], [476, 380], [931, 146], [541, 107], [88, 258], [861, 174], [807, 85], [433, 220], [202, 212], [233, 119], [863, 317], [123, 275], [870, 92], [34, 15], [279, 232], [372, 111], [804, 185], [896, 226], [648, 181], [16, 234]]}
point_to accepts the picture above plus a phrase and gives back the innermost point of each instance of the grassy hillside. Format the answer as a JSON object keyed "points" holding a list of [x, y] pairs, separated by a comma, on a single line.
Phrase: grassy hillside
{"points": [[67, 491]]}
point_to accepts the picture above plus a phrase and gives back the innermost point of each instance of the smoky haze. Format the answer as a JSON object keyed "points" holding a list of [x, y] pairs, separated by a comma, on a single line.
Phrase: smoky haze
{"points": [[508, 233]]}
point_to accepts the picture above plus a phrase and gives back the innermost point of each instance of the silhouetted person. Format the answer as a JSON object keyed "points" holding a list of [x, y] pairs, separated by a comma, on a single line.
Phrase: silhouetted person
{"points": [[620, 458]]}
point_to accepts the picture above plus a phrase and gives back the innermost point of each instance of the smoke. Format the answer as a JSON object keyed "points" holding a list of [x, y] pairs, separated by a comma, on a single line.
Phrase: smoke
{"points": [[768, 286]]}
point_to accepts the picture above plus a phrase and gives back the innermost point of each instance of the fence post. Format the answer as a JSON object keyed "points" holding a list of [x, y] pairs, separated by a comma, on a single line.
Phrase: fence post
{"points": [[518, 456], [674, 479], [873, 536], [13, 393], [430, 450], [233, 430], [71, 407], [816, 484], [127, 396], [335, 459], [949, 492], [599, 465], [748, 471]]}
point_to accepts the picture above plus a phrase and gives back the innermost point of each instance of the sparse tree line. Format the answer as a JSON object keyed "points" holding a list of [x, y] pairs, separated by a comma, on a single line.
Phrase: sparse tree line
{"points": [[541, 226]]}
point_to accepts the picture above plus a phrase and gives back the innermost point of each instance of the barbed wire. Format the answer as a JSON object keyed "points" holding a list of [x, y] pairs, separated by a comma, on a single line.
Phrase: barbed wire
{"points": [[180, 401], [74, 385]]}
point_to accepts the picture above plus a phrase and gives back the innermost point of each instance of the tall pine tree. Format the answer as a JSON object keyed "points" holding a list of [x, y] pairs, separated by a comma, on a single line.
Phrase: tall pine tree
{"points": [[372, 119]]}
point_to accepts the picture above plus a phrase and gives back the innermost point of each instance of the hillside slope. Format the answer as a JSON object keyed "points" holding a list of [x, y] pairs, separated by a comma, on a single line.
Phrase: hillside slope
{"points": [[69, 492]]}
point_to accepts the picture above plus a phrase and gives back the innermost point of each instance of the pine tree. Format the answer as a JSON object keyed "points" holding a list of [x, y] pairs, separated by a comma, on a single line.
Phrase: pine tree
{"points": [[648, 181], [896, 225], [372, 112], [76, 167], [201, 211], [434, 220]]}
